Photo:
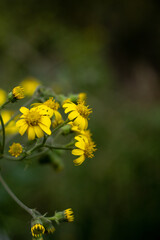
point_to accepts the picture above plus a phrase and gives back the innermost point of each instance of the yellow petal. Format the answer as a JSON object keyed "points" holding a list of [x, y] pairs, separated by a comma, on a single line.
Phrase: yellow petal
{"points": [[24, 110], [57, 116], [45, 121], [45, 128], [31, 133], [69, 109], [20, 123], [79, 160], [73, 115], [38, 131], [77, 152], [80, 145], [23, 128]]}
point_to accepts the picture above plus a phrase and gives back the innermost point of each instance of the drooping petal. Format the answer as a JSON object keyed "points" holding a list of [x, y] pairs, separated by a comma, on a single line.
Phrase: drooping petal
{"points": [[79, 160], [22, 129], [31, 133], [45, 121], [24, 110], [20, 123], [77, 152], [45, 128], [80, 144], [73, 115], [38, 131], [57, 116]]}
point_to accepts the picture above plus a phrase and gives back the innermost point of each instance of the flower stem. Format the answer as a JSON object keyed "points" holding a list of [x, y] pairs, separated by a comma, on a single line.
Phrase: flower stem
{"points": [[3, 132], [61, 125], [13, 196], [58, 147], [4, 104]]}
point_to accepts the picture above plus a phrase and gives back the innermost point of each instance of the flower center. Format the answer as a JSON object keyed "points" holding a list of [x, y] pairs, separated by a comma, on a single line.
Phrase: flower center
{"points": [[52, 104], [89, 149], [33, 118], [83, 110]]}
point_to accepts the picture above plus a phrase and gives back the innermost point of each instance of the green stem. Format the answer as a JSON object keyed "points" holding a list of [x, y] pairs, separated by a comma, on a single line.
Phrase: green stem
{"points": [[58, 147], [4, 104], [14, 158], [13, 196], [3, 132], [61, 125], [37, 146]]}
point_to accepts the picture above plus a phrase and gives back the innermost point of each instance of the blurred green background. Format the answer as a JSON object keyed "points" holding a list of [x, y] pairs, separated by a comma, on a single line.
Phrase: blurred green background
{"points": [[111, 51]]}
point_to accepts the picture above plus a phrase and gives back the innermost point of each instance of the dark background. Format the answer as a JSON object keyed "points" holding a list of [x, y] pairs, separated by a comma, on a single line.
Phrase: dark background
{"points": [[111, 51]]}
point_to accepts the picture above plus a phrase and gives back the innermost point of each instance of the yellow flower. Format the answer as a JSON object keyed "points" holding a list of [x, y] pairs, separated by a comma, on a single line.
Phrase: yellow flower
{"points": [[15, 149], [76, 129], [35, 121], [85, 146], [78, 113], [37, 230], [18, 92], [11, 127], [3, 96], [53, 105], [30, 84], [82, 97], [69, 215]]}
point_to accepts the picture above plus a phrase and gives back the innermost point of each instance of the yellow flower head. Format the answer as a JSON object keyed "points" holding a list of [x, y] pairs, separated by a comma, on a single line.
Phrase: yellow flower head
{"points": [[18, 92], [11, 127], [53, 105], [76, 129], [30, 85], [15, 149], [37, 230], [69, 215], [78, 113], [85, 146], [82, 97], [3, 96], [35, 121]]}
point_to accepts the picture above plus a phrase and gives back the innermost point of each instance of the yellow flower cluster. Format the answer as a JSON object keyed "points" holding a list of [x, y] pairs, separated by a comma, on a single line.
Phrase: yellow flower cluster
{"points": [[78, 116], [37, 120]]}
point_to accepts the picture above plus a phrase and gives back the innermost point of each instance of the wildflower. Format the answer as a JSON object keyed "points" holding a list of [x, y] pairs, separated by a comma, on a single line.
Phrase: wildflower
{"points": [[11, 127], [30, 84], [78, 113], [18, 92], [35, 121], [85, 146], [82, 97], [76, 129], [53, 105], [15, 149], [37, 230], [3, 96], [69, 215]]}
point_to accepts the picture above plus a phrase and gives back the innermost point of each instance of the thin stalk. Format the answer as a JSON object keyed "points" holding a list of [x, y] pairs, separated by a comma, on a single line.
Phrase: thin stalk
{"points": [[58, 147], [61, 125], [3, 133], [13, 158], [4, 104], [13, 196]]}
